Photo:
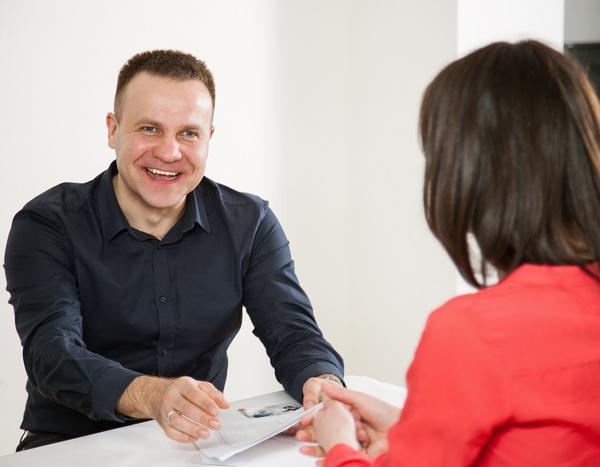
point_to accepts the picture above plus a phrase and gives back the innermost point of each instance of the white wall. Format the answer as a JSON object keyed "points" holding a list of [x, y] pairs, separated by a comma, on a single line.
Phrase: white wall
{"points": [[582, 21], [398, 272], [483, 21]]}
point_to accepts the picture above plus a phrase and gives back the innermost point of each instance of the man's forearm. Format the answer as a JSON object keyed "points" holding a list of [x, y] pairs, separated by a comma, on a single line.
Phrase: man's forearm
{"points": [[141, 396]]}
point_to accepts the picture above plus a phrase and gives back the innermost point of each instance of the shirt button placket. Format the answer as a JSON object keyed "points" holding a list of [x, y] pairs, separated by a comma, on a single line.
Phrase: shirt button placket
{"points": [[162, 287]]}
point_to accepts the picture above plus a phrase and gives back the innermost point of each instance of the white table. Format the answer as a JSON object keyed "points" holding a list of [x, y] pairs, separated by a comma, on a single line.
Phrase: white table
{"points": [[145, 444]]}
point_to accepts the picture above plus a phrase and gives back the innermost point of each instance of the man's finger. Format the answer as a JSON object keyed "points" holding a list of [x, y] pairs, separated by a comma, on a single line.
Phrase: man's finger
{"points": [[200, 408], [307, 435], [313, 451], [201, 399], [214, 394], [179, 437], [181, 429], [307, 419], [291, 431], [191, 412]]}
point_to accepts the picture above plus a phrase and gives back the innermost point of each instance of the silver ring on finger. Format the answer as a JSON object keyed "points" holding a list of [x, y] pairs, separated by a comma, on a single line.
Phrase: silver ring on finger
{"points": [[170, 415]]}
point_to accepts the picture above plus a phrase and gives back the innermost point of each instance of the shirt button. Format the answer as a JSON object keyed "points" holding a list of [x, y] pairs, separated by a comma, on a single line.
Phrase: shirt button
{"points": [[163, 299], [164, 351]]}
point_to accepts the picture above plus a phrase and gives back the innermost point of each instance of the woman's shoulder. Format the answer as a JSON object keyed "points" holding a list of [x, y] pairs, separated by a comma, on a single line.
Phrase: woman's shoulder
{"points": [[525, 316], [531, 291]]}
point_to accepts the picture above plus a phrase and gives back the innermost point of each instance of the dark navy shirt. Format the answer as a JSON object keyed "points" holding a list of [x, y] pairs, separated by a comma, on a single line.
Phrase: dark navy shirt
{"points": [[98, 303]]}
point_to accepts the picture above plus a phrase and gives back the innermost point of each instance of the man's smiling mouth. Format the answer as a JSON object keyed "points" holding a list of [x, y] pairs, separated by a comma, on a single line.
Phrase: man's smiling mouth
{"points": [[162, 174]]}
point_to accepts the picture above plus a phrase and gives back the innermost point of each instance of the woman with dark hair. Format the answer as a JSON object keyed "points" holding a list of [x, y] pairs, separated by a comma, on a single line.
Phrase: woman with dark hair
{"points": [[509, 375]]}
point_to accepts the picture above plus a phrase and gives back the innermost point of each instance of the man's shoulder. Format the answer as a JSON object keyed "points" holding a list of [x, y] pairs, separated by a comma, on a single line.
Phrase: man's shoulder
{"points": [[62, 199], [227, 196]]}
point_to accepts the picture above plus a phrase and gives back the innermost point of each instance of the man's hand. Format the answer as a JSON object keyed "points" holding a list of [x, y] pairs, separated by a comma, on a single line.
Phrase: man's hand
{"points": [[312, 390], [186, 409]]}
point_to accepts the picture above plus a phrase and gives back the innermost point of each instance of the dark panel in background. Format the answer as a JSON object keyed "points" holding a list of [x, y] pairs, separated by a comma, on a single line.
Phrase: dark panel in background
{"points": [[588, 55]]}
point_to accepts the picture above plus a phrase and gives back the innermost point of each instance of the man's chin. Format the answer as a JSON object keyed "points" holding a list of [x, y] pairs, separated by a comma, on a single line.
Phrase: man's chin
{"points": [[165, 203]]}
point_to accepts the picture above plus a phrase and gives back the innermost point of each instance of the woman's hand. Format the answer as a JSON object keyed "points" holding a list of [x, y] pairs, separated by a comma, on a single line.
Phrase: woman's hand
{"points": [[373, 418], [333, 424]]}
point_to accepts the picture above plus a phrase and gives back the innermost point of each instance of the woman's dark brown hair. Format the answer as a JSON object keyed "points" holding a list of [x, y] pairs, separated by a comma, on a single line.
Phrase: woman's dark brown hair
{"points": [[511, 140]]}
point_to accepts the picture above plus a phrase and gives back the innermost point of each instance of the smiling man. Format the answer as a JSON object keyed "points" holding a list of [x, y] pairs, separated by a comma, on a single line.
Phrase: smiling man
{"points": [[129, 289]]}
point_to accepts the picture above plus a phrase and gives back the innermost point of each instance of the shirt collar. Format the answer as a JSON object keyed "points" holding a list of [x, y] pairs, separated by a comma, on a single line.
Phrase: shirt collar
{"points": [[113, 220], [195, 210]]}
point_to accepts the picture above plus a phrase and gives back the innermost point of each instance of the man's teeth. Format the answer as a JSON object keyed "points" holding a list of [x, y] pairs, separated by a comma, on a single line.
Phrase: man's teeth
{"points": [[163, 172]]}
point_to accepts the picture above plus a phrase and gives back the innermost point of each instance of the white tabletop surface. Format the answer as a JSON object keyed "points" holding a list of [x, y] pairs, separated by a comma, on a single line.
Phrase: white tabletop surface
{"points": [[145, 444]]}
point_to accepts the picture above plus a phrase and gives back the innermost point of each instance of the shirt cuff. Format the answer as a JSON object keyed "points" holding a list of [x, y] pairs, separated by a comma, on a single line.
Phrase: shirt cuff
{"points": [[341, 454], [107, 392], [314, 369]]}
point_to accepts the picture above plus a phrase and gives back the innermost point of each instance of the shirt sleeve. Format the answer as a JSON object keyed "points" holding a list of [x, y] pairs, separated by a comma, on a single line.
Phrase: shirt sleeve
{"points": [[42, 284], [281, 312], [342, 455], [456, 399]]}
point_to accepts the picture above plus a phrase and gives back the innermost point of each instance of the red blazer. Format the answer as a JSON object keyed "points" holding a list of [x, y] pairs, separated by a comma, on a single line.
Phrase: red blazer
{"points": [[507, 376]]}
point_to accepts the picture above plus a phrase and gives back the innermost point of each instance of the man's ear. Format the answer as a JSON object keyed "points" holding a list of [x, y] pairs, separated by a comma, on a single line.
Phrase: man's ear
{"points": [[111, 126]]}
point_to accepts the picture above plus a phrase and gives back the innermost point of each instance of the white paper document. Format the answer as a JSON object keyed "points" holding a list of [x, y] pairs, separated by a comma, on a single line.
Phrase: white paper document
{"points": [[251, 421]]}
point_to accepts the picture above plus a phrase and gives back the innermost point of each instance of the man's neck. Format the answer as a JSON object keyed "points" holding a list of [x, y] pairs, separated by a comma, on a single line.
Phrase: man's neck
{"points": [[153, 221]]}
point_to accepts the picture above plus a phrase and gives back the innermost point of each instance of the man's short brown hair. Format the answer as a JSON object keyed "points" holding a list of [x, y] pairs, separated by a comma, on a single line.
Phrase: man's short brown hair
{"points": [[165, 63]]}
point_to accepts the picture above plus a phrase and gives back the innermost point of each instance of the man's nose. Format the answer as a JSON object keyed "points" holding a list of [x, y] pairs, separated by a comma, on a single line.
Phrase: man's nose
{"points": [[168, 149]]}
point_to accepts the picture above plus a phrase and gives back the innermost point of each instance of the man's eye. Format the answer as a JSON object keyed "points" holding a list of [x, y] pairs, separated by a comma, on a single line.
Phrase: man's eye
{"points": [[190, 134], [149, 129]]}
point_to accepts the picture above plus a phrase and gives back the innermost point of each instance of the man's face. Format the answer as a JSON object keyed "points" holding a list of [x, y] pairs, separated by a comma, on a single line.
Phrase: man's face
{"points": [[161, 140]]}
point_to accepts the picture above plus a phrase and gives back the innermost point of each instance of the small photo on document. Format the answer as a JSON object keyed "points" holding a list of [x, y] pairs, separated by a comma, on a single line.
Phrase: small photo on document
{"points": [[269, 410]]}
